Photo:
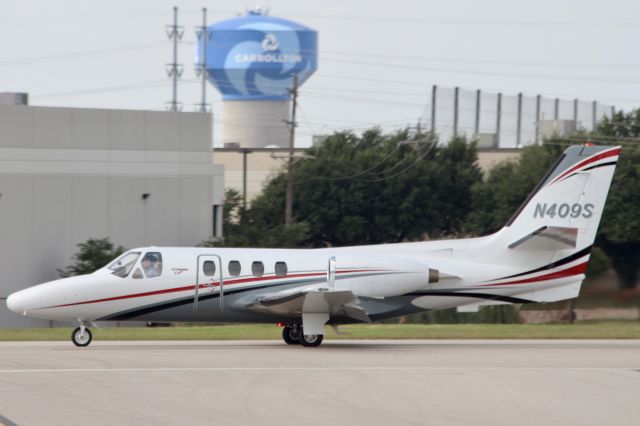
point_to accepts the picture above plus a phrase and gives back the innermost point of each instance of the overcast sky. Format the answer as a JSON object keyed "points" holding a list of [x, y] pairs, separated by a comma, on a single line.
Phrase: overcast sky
{"points": [[377, 60]]}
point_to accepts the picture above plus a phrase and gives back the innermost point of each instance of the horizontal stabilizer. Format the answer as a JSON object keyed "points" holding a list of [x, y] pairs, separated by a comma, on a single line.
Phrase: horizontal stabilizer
{"points": [[548, 238]]}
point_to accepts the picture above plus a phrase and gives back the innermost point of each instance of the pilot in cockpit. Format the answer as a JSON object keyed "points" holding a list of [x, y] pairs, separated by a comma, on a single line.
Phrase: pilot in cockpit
{"points": [[152, 265]]}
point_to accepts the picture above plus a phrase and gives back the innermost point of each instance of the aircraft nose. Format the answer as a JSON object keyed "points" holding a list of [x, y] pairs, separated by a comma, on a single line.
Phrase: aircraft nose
{"points": [[15, 303]]}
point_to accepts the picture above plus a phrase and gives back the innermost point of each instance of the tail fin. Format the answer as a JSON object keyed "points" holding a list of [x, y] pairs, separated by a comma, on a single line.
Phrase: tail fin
{"points": [[564, 210], [550, 236]]}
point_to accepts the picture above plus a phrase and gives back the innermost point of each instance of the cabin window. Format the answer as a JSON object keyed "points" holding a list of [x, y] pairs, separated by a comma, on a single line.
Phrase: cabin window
{"points": [[234, 268], [152, 264], [257, 269], [137, 274], [281, 269], [209, 268], [124, 264]]}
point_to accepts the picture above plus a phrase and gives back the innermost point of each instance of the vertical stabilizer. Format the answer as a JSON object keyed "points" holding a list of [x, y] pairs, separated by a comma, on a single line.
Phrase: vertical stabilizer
{"points": [[550, 236], [568, 203]]}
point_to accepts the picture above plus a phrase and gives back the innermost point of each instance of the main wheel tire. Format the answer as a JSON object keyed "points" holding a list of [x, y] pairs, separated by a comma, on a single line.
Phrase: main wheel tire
{"points": [[310, 340], [80, 339], [291, 335]]}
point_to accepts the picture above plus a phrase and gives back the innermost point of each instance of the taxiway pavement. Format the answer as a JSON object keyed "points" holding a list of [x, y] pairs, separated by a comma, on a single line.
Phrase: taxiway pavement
{"points": [[340, 383]]}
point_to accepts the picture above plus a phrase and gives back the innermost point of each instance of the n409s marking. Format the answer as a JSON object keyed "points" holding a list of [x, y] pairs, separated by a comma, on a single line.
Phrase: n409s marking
{"points": [[563, 210]]}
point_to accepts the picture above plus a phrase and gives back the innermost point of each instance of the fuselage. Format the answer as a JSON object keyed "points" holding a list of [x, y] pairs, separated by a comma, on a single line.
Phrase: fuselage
{"points": [[389, 279]]}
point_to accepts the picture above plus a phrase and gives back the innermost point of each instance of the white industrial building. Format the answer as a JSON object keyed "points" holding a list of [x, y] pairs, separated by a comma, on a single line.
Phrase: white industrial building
{"points": [[67, 175]]}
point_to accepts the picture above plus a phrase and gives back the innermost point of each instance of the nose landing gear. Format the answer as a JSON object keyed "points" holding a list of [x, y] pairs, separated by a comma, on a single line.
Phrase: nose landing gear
{"points": [[310, 340], [81, 336]]}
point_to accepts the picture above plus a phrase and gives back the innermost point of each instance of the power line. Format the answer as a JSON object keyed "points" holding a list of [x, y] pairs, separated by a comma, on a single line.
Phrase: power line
{"points": [[476, 21], [486, 61], [81, 54], [482, 61], [491, 73], [406, 82], [117, 88], [380, 179], [56, 20]]}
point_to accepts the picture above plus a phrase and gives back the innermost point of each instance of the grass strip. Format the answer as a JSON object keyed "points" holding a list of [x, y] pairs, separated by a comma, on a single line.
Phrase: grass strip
{"points": [[580, 330]]}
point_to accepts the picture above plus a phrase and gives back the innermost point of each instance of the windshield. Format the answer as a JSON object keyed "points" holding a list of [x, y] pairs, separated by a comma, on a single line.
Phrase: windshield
{"points": [[123, 265]]}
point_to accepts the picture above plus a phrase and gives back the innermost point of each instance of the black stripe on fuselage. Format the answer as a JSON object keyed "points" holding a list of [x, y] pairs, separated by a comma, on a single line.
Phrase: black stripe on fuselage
{"points": [[136, 312], [485, 296], [585, 251]]}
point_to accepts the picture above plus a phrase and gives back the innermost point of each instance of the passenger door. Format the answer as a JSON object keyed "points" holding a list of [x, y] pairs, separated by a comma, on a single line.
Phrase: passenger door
{"points": [[209, 280]]}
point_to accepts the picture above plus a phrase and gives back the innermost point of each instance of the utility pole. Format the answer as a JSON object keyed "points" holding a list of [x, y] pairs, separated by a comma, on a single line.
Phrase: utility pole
{"points": [[498, 119], [201, 70], [538, 110], [434, 99], [245, 151], [456, 96], [519, 122], [174, 69], [476, 127], [288, 212]]}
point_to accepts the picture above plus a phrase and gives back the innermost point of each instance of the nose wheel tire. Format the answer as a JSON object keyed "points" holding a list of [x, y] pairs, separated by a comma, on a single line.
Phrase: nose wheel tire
{"points": [[310, 340], [291, 335], [81, 337]]}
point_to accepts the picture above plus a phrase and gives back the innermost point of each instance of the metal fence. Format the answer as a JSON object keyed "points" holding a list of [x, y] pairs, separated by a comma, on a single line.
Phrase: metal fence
{"points": [[507, 120]]}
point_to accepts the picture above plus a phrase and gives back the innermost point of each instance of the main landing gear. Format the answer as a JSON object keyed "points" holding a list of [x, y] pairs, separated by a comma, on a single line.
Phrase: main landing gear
{"points": [[294, 335], [81, 336]]}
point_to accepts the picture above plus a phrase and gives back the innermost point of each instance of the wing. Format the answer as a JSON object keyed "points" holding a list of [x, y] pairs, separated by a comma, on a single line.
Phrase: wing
{"points": [[316, 304], [311, 300]]}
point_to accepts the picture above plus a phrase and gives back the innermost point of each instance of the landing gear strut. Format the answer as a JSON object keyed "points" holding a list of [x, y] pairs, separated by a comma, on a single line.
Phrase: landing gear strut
{"points": [[81, 336]]}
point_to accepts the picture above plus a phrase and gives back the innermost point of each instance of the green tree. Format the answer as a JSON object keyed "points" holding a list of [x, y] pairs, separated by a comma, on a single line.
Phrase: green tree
{"points": [[599, 262], [370, 189], [93, 254], [619, 234], [506, 186], [240, 228]]}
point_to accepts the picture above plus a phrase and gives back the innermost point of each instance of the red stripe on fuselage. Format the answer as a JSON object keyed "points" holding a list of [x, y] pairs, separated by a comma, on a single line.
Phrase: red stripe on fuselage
{"points": [[574, 270], [217, 283]]}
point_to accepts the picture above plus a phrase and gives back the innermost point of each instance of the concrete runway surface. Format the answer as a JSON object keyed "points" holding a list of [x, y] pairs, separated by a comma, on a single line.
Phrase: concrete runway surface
{"points": [[340, 383]]}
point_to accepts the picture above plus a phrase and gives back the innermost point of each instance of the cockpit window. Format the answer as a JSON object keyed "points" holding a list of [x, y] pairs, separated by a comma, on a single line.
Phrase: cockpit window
{"points": [[123, 265], [152, 264]]}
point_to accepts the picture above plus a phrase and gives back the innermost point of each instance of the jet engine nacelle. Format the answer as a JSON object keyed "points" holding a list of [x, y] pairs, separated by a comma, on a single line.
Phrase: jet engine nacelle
{"points": [[385, 276]]}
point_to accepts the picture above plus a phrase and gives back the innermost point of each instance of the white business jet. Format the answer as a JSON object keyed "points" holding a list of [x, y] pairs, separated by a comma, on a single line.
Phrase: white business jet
{"points": [[540, 255]]}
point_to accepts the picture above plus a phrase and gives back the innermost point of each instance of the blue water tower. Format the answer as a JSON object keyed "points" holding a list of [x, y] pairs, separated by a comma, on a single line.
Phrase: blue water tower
{"points": [[252, 60]]}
